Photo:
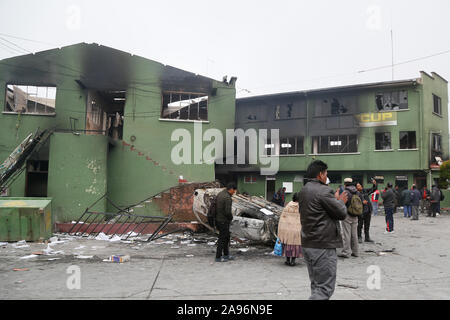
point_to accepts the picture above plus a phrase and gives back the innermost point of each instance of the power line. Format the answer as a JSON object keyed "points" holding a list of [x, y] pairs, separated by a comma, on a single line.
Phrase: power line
{"points": [[27, 51], [20, 38], [407, 61]]}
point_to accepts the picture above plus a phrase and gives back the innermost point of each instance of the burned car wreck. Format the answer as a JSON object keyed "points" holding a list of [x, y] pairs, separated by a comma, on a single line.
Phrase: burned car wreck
{"points": [[254, 218]]}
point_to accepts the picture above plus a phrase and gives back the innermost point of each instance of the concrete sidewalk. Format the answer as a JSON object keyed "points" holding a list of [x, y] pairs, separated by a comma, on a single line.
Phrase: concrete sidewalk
{"points": [[182, 267]]}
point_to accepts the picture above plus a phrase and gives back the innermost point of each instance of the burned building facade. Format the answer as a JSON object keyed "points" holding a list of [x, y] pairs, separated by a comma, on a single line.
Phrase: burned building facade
{"points": [[393, 131], [112, 115]]}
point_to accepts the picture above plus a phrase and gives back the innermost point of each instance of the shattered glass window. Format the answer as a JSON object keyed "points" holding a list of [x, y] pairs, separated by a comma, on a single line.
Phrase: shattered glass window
{"points": [[30, 99], [391, 101], [383, 141], [184, 106]]}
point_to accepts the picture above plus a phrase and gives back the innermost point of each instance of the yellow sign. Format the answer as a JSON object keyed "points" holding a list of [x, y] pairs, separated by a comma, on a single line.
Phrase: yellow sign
{"points": [[378, 119]]}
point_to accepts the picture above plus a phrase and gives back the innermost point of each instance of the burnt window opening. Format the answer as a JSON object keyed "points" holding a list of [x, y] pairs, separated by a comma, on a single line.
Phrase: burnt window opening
{"points": [[105, 113], [292, 145], [335, 178], [251, 117], [335, 144], [383, 141], [27, 99], [408, 140], [437, 106], [395, 100], [337, 107], [271, 148], [184, 106], [283, 112]]}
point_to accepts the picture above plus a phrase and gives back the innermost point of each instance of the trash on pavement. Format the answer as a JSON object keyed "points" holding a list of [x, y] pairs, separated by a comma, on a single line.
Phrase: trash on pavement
{"points": [[30, 256], [21, 269], [118, 258]]}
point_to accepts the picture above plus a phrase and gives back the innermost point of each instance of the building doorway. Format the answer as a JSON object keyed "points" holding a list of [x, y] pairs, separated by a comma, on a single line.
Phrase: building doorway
{"points": [[36, 178], [401, 182], [270, 188]]}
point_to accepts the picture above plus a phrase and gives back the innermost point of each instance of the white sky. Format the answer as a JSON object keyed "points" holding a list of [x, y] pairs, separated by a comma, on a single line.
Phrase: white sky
{"points": [[270, 46]]}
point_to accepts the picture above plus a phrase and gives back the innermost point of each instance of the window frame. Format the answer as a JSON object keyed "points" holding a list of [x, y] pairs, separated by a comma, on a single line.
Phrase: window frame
{"points": [[47, 86], [438, 99], [384, 135], [346, 144], [408, 142], [181, 93]]}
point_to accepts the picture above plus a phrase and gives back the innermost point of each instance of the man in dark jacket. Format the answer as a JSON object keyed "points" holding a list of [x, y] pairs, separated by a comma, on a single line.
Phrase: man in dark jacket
{"points": [[223, 221], [321, 209], [415, 201], [364, 219], [406, 201], [435, 200], [388, 197]]}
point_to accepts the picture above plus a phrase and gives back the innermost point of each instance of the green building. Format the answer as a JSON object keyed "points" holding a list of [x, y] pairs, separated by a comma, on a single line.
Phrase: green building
{"points": [[393, 131], [113, 116]]}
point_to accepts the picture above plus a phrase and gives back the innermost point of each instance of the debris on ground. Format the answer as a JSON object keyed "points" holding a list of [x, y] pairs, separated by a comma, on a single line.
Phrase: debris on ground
{"points": [[21, 269], [254, 218], [20, 244], [118, 258], [348, 286], [29, 256]]}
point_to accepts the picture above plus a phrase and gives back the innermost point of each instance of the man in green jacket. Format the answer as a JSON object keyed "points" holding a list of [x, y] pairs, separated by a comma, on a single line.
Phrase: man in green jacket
{"points": [[223, 221]]}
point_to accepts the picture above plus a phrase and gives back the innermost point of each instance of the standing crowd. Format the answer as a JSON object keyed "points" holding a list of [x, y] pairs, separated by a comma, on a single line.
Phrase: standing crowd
{"points": [[319, 220]]}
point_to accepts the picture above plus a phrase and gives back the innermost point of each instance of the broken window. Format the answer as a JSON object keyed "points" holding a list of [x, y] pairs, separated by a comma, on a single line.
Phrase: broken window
{"points": [[383, 141], [408, 140], [292, 145], [436, 149], [437, 107], [30, 99], [395, 100], [338, 105], [335, 144], [184, 106]]}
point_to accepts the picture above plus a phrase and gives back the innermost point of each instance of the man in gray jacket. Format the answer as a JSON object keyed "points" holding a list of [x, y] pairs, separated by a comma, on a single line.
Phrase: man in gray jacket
{"points": [[321, 209], [435, 200], [415, 202]]}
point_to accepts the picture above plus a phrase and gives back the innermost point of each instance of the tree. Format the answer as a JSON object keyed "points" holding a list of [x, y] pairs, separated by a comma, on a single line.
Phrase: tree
{"points": [[444, 177]]}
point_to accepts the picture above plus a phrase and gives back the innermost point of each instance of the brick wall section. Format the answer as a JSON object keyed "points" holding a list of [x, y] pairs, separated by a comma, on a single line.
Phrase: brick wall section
{"points": [[180, 200]]}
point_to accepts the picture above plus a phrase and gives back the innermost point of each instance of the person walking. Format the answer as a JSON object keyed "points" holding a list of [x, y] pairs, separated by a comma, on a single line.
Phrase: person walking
{"points": [[321, 210], [389, 203], [224, 217], [435, 200], [374, 198], [406, 201], [289, 231], [350, 224], [415, 202], [364, 219]]}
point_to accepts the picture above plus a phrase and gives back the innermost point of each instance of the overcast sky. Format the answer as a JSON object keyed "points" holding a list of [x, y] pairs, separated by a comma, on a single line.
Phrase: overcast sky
{"points": [[270, 46]]}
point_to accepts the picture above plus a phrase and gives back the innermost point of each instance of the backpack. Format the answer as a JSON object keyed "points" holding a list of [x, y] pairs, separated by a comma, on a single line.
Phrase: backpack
{"points": [[356, 206], [442, 195], [212, 211]]}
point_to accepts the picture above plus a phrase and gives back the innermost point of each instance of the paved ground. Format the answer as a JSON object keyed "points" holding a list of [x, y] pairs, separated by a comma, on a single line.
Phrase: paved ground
{"points": [[179, 268]]}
